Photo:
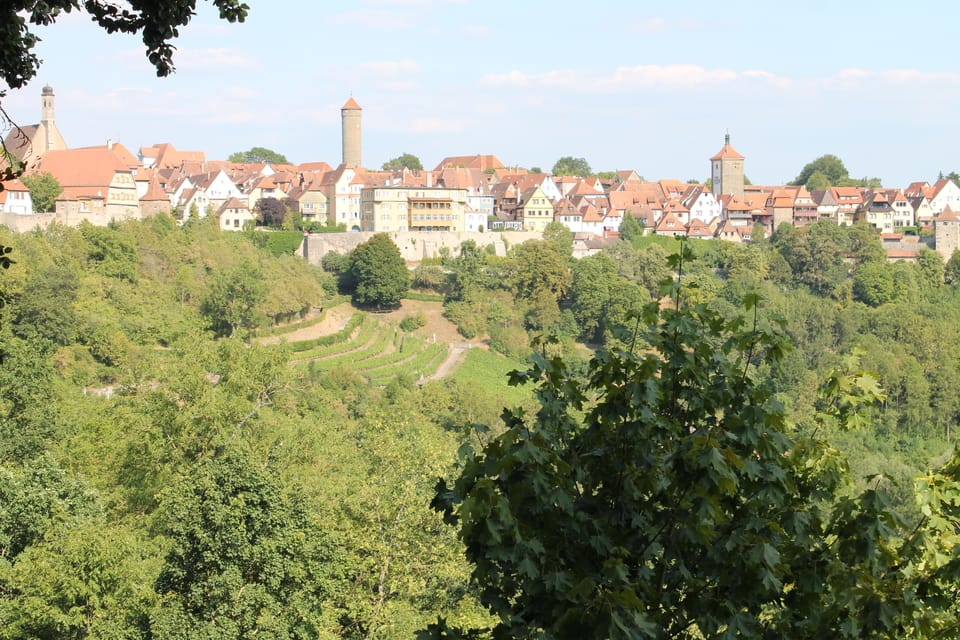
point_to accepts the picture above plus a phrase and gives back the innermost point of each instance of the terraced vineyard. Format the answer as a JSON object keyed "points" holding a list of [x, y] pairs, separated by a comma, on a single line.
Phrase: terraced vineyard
{"points": [[377, 350]]}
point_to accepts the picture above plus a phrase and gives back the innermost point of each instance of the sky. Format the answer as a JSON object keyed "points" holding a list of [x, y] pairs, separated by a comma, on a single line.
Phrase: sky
{"points": [[649, 86]]}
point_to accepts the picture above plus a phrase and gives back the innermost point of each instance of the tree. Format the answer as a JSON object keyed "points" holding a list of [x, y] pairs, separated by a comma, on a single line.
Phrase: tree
{"points": [[379, 273], [669, 495], [570, 166], [257, 155], [559, 235], [232, 298], [830, 166], [44, 190], [817, 181], [951, 272], [271, 212], [244, 558], [538, 266], [404, 161], [593, 281], [873, 283], [814, 253], [158, 24], [631, 229]]}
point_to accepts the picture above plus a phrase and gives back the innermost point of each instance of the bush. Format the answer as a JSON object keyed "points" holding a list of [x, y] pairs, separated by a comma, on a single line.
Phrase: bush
{"points": [[468, 321], [413, 322]]}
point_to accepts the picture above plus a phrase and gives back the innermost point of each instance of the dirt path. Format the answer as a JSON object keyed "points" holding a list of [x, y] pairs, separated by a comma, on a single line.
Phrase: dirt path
{"points": [[451, 362], [334, 320]]}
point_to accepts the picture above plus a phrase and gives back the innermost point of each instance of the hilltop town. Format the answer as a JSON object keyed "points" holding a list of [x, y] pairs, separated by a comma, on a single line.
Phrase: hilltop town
{"points": [[472, 194]]}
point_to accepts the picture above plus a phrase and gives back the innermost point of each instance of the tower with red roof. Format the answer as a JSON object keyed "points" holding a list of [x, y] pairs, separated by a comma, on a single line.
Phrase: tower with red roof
{"points": [[350, 120], [726, 171]]}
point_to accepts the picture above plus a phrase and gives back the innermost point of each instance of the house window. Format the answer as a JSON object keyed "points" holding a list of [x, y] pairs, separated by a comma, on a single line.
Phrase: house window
{"points": [[236, 222]]}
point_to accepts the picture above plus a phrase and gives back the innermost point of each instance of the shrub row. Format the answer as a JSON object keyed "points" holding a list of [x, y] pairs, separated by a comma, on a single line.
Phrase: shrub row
{"points": [[344, 334]]}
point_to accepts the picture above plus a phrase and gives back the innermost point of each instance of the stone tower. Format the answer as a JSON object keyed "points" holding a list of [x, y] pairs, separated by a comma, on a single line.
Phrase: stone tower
{"points": [[726, 171], [30, 142], [350, 118]]}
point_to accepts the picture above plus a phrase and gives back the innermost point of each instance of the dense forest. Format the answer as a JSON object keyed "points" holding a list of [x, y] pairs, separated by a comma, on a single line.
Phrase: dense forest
{"points": [[167, 473]]}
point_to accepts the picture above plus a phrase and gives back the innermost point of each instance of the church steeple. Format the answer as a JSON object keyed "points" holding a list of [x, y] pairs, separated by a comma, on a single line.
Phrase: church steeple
{"points": [[47, 114]]}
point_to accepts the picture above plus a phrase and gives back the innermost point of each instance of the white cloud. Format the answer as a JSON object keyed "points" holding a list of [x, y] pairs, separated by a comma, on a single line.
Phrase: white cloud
{"points": [[668, 76]]}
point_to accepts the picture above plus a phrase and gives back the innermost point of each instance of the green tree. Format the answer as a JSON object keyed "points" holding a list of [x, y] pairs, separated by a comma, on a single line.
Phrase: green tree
{"points": [[670, 496], [34, 499], [873, 284], [951, 273], [257, 155], [817, 180], [44, 190], [538, 266], [467, 278], [84, 580], [594, 279], [932, 274], [245, 560], [631, 229], [560, 235], [570, 166], [829, 166], [815, 254], [44, 309], [863, 241], [379, 273], [403, 161], [232, 298]]}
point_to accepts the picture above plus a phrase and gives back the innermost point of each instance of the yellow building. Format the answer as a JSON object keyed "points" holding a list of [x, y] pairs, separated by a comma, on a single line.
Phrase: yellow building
{"points": [[412, 209], [534, 209]]}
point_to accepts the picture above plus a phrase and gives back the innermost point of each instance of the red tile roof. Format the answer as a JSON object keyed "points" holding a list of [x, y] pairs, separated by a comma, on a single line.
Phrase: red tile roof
{"points": [[90, 166], [351, 104]]}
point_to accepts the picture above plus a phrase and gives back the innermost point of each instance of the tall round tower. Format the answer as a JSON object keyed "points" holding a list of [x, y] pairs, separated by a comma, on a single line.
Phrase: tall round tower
{"points": [[350, 117]]}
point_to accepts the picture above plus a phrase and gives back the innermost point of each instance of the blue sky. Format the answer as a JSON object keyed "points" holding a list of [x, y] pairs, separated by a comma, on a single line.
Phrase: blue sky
{"points": [[627, 85]]}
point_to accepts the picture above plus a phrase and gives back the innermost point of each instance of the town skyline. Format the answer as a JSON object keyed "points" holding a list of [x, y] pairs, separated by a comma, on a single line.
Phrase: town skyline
{"points": [[623, 87]]}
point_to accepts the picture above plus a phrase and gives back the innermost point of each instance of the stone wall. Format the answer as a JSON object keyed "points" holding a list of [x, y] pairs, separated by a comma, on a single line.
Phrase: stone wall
{"points": [[414, 246], [68, 218]]}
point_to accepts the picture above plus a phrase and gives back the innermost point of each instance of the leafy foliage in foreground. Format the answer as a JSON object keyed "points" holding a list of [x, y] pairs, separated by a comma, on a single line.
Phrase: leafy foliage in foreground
{"points": [[671, 496]]}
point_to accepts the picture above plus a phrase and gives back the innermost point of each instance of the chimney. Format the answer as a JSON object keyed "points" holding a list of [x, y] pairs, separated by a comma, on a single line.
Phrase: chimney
{"points": [[110, 144]]}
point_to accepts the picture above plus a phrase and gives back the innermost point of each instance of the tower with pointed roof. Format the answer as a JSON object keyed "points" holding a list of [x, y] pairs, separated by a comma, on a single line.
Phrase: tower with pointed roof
{"points": [[350, 122], [726, 171], [32, 141]]}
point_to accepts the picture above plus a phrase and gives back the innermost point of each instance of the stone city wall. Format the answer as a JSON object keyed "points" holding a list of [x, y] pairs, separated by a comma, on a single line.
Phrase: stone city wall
{"points": [[414, 245]]}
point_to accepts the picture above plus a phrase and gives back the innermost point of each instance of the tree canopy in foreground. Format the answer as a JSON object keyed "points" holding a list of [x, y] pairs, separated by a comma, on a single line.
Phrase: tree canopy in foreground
{"points": [[671, 496]]}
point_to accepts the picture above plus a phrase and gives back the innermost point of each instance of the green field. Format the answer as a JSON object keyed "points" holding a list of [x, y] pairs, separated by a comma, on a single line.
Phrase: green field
{"points": [[486, 371]]}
